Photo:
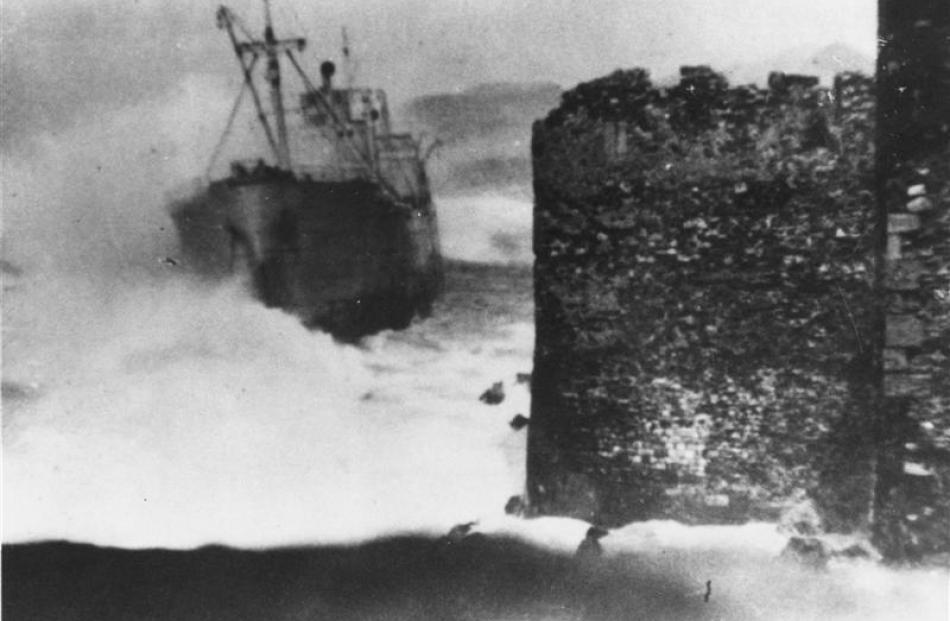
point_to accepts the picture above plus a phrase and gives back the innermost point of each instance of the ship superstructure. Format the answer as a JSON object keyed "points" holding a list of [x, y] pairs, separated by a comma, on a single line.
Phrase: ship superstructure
{"points": [[335, 222]]}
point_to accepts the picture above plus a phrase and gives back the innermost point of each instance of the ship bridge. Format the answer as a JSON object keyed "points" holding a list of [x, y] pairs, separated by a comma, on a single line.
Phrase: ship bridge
{"points": [[342, 134], [346, 134]]}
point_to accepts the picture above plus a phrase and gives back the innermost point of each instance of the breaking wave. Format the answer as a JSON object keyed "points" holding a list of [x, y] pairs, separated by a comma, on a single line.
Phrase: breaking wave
{"points": [[145, 408]]}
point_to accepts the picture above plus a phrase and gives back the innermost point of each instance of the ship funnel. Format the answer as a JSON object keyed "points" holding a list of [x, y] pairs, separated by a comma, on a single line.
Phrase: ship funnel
{"points": [[327, 69]]}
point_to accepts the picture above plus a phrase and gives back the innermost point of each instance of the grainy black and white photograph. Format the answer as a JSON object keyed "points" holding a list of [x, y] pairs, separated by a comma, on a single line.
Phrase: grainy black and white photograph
{"points": [[475, 310]]}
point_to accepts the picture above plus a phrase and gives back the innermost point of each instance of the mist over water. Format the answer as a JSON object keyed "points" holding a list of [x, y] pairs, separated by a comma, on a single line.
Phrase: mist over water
{"points": [[487, 228], [151, 409], [147, 408], [207, 418]]}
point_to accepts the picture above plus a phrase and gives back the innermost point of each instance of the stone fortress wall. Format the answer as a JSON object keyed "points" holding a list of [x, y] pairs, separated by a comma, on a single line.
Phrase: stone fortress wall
{"points": [[913, 163], [728, 323]]}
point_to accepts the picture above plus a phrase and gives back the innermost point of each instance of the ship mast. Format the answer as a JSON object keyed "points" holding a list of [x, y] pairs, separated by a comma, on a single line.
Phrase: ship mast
{"points": [[276, 97], [250, 50], [348, 69], [270, 47]]}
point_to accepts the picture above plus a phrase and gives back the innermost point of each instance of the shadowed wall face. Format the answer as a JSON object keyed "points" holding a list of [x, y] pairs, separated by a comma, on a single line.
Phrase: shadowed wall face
{"points": [[914, 173], [704, 281]]}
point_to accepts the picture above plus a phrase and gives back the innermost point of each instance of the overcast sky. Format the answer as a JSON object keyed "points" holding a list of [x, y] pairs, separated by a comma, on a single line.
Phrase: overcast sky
{"points": [[66, 58]]}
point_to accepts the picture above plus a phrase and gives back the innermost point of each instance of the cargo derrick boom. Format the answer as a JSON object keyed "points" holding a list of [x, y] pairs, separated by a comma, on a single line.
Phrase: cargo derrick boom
{"points": [[334, 107], [271, 48]]}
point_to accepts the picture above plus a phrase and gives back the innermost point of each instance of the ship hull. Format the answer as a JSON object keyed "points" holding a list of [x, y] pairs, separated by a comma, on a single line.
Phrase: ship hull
{"points": [[342, 256]]}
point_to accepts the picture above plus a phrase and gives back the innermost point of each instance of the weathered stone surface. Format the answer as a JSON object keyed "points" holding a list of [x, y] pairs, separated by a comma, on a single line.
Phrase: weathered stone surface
{"points": [[735, 229], [894, 247], [906, 385], [703, 298], [904, 331], [913, 161], [919, 204], [895, 359], [903, 274], [902, 222]]}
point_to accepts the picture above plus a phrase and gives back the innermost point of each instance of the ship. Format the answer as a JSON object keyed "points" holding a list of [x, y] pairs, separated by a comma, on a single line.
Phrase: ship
{"points": [[334, 221]]}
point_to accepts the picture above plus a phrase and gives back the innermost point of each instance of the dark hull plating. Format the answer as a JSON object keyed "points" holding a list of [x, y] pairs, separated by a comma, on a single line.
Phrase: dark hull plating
{"points": [[340, 255]]}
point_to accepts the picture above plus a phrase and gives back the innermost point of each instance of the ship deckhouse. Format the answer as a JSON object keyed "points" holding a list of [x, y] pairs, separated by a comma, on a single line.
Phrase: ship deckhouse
{"points": [[336, 134]]}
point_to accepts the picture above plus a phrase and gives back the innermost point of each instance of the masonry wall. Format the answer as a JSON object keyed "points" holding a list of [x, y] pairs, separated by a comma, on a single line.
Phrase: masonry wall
{"points": [[706, 328], [743, 296], [913, 505]]}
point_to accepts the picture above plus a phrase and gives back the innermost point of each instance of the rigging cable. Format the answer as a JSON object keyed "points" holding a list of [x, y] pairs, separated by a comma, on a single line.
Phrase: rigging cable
{"points": [[364, 157], [387, 188], [226, 20], [229, 125]]}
